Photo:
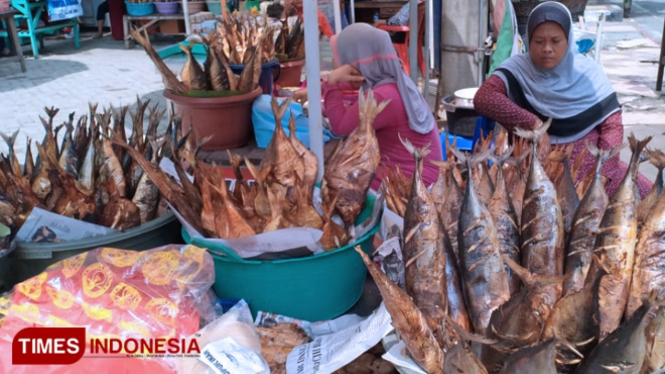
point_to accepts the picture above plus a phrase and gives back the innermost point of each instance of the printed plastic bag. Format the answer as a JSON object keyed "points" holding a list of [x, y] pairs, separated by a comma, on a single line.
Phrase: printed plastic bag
{"points": [[233, 334], [115, 294]]}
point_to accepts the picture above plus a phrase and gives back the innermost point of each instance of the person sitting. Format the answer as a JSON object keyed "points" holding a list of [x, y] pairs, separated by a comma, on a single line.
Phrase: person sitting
{"points": [[554, 80], [366, 58]]}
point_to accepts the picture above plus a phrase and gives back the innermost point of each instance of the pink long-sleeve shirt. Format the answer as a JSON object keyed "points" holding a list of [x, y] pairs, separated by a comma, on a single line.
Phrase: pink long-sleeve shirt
{"points": [[391, 123]]}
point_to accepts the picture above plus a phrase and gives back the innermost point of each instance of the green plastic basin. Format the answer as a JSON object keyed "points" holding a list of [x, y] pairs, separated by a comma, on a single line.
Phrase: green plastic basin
{"points": [[30, 259], [313, 288]]}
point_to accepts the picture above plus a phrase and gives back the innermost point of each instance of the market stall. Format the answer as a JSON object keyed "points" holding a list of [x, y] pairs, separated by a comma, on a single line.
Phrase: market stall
{"points": [[513, 260]]}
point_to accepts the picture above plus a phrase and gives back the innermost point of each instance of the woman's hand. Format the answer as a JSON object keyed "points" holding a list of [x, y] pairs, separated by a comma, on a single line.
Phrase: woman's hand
{"points": [[300, 96], [345, 73]]}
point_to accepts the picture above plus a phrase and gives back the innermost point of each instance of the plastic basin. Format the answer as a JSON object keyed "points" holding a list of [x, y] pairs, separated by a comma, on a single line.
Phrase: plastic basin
{"points": [[140, 9], [314, 288], [30, 259], [169, 7]]}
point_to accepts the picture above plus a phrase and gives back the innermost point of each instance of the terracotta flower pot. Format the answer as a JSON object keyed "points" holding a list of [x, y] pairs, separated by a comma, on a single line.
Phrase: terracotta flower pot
{"points": [[290, 73], [228, 120]]}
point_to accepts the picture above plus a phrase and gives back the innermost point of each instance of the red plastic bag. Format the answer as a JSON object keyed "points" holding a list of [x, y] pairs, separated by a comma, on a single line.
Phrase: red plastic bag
{"points": [[113, 293]]}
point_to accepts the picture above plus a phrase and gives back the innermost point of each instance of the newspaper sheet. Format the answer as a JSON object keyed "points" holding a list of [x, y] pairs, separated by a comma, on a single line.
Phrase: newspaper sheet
{"points": [[280, 244], [43, 226], [327, 353], [405, 364], [313, 329], [389, 257]]}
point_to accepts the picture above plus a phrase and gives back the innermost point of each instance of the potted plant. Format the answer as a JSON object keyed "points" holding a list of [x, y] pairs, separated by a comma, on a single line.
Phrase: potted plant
{"points": [[167, 6], [290, 51], [211, 99]]}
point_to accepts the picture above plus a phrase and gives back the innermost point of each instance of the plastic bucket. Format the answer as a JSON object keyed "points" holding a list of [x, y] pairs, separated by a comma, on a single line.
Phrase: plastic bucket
{"points": [[314, 288], [215, 7], [30, 259], [268, 75], [169, 7], [290, 73], [140, 9], [253, 4]]}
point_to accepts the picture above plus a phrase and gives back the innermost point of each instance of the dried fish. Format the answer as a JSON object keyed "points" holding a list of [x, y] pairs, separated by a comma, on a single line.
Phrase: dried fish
{"points": [[542, 225], [503, 213], [334, 236], [622, 351], [170, 80], [424, 254], [309, 160], [615, 244], [409, 321], [351, 168], [657, 158], [485, 279], [585, 224], [147, 193], [10, 140], [192, 74]]}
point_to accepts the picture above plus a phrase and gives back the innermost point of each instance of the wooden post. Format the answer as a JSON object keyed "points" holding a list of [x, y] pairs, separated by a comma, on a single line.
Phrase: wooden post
{"points": [[661, 63], [627, 4]]}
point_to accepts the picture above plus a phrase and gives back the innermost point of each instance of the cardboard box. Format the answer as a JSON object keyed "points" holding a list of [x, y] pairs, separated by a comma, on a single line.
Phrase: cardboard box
{"points": [[172, 26]]}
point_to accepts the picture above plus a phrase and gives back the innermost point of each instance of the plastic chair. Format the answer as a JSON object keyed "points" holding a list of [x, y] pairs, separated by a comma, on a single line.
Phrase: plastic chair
{"points": [[403, 48], [590, 42]]}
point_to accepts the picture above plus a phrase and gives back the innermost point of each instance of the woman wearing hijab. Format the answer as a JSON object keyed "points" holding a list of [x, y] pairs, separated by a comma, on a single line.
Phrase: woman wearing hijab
{"points": [[366, 57], [554, 80]]}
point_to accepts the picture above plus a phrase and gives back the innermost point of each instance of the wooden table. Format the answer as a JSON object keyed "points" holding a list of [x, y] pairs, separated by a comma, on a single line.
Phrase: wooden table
{"points": [[365, 10], [153, 19], [8, 18]]}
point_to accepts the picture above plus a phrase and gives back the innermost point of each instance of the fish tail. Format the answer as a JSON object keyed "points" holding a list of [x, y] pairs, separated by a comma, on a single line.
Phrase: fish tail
{"points": [[499, 160], [292, 125], [256, 173], [534, 134], [637, 146], [10, 139], [369, 108], [279, 110], [657, 158]]}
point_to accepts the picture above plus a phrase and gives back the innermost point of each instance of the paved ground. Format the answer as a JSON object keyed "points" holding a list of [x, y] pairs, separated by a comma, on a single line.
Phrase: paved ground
{"points": [[104, 71]]}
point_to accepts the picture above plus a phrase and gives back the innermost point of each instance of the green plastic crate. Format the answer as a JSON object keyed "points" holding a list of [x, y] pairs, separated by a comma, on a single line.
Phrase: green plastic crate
{"points": [[314, 288]]}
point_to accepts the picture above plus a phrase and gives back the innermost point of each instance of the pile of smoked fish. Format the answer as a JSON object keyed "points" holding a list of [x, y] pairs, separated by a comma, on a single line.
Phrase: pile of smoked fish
{"points": [[515, 268], [240, 39], [281, 195], [84, 176]]}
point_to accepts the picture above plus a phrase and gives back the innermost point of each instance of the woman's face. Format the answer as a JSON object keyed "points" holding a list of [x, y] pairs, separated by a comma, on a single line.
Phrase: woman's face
{"points": [[548, 45]]}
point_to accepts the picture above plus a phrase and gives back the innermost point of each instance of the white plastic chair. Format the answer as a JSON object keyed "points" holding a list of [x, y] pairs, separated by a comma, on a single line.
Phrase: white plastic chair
{"points": [[582, 32]]}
